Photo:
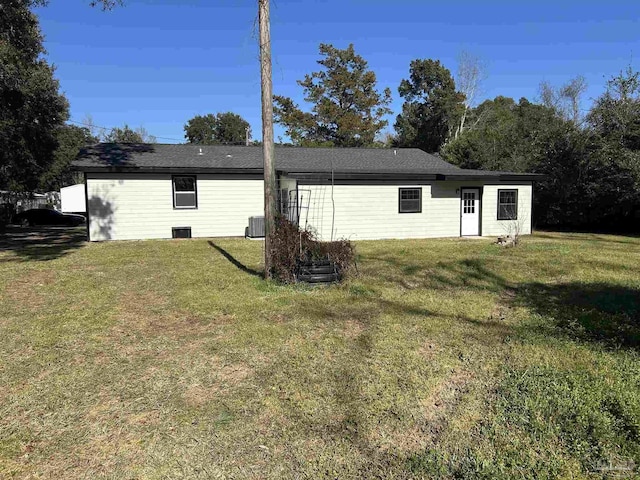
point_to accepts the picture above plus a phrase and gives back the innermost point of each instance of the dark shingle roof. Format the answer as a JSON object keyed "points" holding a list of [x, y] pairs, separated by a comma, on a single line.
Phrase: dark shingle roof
{"points": [[292, 160]]}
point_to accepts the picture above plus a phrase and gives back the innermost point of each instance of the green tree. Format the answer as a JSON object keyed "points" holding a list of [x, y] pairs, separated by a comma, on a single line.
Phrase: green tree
{"points": [[592, 175], [432, 108], [31, 107], [128, 135], [222, 128], [70, 139], [615, 115], [612, 186], [527, 137], [347, 109], [502, 135]]}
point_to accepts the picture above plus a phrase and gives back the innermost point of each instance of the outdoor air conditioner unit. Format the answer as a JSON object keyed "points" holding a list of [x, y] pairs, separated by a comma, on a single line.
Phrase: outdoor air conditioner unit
{"points": [[256, 227]]}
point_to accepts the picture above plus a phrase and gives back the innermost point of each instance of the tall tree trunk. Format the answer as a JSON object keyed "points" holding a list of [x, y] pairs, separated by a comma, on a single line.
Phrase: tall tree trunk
{"points": [[462, 120], [267, 132]]}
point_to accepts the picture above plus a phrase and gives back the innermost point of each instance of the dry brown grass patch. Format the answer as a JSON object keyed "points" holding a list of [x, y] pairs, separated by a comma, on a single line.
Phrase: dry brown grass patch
{"points": [[150, 313], [443, 399], [29, 291], [353, 328], [149, 417], [438, 411], [226, 378], [429, 351]]}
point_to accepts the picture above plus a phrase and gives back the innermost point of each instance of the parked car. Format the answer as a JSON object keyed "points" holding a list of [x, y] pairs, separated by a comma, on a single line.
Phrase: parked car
{"points": [[46, 216]]}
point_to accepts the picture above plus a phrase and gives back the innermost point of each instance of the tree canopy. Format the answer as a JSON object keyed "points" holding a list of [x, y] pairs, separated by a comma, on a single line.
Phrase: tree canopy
{"points": [[502, 135], [615, 116], [32, 109], [31, 106], [592, 171], [70, 139], [128, 135], [222, 128], [347, 109], [432, 108]]}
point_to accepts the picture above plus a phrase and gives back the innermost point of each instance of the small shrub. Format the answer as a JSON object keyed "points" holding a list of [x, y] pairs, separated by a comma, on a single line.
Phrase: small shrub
{"points": [[340, 252], [291, 245]]}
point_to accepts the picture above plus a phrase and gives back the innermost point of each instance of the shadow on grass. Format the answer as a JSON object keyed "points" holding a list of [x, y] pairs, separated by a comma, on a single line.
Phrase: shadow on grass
{"points": [[354, 370], [468, 273], [41, 243], [626, 239], [600, 313], [235, 262], [596, 312]]}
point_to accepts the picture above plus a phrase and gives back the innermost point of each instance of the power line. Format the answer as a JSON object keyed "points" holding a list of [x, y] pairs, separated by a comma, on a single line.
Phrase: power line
{"points": [[104, 129]]}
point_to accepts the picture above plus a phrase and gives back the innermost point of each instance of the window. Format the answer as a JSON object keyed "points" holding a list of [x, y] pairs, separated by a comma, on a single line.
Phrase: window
{"points": [[469, 202], [507, 204], [410, 200], [283, 201], [185, 194]]}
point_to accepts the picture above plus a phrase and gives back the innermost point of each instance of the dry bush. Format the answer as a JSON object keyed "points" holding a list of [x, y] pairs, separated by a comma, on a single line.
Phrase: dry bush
{"points": [[291, 246]]}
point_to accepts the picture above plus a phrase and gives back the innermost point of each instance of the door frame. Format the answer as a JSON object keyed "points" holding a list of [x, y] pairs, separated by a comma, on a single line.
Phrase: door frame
{"points": [[480, 193]]}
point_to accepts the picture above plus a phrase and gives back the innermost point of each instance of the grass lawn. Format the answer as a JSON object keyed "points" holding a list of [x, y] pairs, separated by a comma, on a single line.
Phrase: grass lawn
{"points": [[442, 358]]}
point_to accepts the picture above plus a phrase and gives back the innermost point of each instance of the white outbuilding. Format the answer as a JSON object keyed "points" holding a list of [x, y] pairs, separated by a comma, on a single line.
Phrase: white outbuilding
{"points": [[72, 199]]}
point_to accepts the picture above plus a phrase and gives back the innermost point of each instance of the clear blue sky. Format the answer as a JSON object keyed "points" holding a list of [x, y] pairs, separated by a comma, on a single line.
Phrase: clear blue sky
{"points": [[157, 63]]}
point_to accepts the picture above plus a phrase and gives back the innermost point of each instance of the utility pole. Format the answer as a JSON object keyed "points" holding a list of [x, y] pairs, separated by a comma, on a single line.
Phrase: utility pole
{"points": [[267, 132]]}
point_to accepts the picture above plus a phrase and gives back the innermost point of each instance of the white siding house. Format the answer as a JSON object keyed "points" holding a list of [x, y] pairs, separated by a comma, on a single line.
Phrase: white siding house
{"points": [[164, 191]]}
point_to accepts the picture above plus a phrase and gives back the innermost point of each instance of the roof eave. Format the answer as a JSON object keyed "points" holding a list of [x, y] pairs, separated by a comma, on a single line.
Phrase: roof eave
{"points": [[494, 176], [192, 170], [327, 175]]}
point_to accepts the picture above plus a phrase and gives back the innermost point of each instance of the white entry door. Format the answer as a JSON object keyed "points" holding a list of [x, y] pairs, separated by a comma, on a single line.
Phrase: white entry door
{"points": [[470, 212]]}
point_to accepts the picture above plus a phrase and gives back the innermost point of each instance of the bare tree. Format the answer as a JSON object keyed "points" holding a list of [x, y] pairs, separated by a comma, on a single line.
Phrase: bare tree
{"points": [[572, 93], [472, 71], [145, 135], [513, 229], [566, 99], [387, 139], [548, 95], [94, 131]]}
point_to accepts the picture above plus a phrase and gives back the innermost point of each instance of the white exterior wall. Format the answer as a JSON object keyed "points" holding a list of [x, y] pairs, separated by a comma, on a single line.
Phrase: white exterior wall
{"points": [[493, 227], [370, 212], [286, 183], [72, 198], [140, 206]]}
